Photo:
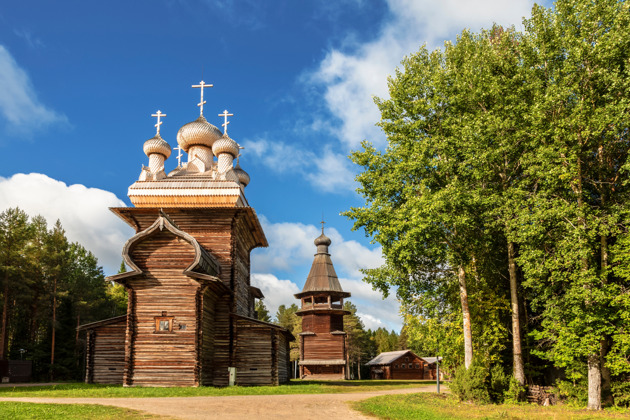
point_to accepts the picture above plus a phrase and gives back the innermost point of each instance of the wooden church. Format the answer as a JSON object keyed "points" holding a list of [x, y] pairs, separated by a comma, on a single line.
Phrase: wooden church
{"points": [[190, 319], [323, 350]]}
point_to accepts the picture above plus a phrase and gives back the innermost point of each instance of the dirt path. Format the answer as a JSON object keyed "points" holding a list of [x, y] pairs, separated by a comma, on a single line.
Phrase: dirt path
{"points": [[258, 407]]}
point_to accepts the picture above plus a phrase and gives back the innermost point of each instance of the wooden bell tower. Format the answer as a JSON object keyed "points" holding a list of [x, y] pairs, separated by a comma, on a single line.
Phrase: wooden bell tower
{"points": [[323, 353]]}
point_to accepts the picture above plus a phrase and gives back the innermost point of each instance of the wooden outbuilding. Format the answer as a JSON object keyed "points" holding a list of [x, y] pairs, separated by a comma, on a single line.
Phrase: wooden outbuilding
{"points": [[190, 318], [402, 364], [323, 351]]}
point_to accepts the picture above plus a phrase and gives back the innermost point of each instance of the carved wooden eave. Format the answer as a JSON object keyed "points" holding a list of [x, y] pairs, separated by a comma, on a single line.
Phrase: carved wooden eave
{"points": [[256, 292], [134, 217], [204, 268]]}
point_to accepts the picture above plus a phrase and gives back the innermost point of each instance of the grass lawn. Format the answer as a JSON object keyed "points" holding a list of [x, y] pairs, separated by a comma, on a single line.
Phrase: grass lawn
{"points": [[82, 390], [430, 406], [23, 411]]}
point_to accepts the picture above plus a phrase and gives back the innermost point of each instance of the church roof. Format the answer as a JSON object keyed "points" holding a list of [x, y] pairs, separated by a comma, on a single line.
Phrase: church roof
{"points": [[322, 277]]}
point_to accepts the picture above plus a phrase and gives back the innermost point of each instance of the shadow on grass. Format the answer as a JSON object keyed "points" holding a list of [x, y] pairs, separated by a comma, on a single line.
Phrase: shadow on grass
{"points": [[362, 383]]}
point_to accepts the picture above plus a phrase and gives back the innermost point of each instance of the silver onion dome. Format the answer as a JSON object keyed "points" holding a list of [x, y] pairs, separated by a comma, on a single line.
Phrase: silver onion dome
{"points": [[225, 145], [198, 132], [157, 145], [243, 177], [322, 240]]}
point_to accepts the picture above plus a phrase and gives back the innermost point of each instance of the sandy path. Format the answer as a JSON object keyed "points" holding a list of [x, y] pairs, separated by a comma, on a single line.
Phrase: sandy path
{"points": [[258, 407]]}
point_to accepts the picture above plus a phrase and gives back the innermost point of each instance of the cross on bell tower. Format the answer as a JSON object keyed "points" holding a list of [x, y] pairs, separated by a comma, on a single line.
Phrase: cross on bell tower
{"points": [[159, 115], [202, 85], [225, 115]]}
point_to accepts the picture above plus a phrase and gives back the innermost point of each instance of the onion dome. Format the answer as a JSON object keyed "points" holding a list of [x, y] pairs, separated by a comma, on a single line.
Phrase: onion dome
{"points": [[243, 177], [199, 132], [225, 145], [322, 240], [157, 145]]}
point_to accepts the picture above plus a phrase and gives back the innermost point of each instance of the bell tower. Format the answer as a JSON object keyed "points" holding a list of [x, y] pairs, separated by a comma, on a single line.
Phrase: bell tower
{"points": [[323, 353]]}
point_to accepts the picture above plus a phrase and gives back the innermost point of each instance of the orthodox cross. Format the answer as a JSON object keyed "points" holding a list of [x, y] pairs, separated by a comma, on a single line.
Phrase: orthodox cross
{"points": [[201, 85], [159, 123], [179, 156], [225, 124], [322, 222], [239, 153]]}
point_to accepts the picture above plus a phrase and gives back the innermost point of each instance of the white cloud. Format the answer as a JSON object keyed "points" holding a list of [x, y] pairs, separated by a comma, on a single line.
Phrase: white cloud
{"points": [[291, 244], [18, 101], [382, 312], [352, 75], [370, 322], [83, 213], [291, 247], [277, 292], [328, 172]]}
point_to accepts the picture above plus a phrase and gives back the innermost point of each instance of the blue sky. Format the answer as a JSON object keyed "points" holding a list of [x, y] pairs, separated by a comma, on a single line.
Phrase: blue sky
{"points": [[79, 81]]}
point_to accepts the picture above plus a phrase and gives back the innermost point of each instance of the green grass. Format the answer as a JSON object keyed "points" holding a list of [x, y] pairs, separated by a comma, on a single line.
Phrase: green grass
{"points": [[430, 406], [81, 390], [24, 411]]}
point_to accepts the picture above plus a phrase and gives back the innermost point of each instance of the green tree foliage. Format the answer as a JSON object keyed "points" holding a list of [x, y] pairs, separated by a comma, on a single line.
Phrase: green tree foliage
{"points": [[501, 199], [54, 286], [286, 317], [262, 313], [355, 339]]}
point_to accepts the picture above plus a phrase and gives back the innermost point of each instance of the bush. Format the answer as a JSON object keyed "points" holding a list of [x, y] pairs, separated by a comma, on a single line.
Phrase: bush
{"points": [[470, 384], [621, 393], [572, 393], [515, 392], [480, 384], [498, 384]]}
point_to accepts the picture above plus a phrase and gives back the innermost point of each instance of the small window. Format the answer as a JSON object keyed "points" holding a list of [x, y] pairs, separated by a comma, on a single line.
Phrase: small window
{"points": [[406, 359], [163, 324], [402, 365], [417, 365]]}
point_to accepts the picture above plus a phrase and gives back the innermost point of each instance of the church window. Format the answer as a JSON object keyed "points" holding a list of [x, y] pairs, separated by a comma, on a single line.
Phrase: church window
{"points": [[163, 324]]}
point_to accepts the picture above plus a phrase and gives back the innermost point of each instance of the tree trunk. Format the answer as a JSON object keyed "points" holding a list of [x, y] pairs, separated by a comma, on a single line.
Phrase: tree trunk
{"points": [[594, 383], [605, 344], [593, 364], [4, 335], [517, 360], [463, 295], [54, 321]]}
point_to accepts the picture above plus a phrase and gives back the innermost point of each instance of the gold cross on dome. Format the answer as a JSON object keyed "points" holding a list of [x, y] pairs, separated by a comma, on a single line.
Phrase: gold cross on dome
{"points": [[202, 85], [226, 122], [159, 123]]}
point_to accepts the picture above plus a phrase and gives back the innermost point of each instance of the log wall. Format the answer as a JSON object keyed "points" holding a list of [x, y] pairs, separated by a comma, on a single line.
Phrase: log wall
{"points": [[106, 353], [323, 347], [397, 371]]}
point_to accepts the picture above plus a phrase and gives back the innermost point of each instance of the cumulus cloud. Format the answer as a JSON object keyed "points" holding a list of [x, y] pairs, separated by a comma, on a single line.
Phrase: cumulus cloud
{"points": [[291, 247], [18, 101], [380, 312], [83, 213], [277, 292], [353, 73], [328, 171]]}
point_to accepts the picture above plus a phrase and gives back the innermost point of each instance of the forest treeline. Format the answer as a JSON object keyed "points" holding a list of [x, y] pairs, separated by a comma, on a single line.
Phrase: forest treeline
{"points": [[502, 200], [362, 344], [49, 286]]}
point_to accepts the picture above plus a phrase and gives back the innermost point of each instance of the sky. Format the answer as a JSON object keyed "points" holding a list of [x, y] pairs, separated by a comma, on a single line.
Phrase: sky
{"points": [[79, 81]]}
